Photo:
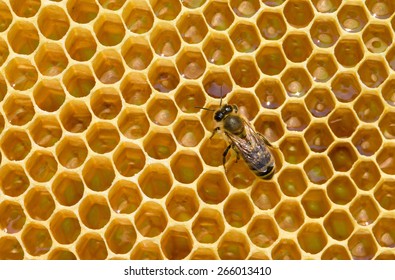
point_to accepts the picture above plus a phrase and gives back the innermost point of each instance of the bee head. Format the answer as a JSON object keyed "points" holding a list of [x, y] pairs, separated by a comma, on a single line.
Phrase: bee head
{"points": [[221, 113]]}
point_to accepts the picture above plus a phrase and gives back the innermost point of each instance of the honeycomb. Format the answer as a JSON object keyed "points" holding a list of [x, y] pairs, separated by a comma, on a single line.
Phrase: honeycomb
{"points": [[104, 154]]}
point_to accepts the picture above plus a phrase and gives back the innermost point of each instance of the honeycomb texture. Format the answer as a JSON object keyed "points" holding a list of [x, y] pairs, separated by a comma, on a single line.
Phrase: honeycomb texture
{"points": [[104, 154]]}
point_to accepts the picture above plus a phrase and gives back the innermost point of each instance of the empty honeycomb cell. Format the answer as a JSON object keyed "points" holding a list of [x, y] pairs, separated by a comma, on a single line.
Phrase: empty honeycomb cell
{"points": [[369, 107], [207, 117], [12, 217], [362, 246], [315, 203], [271, 25], [318, 169], [390, 57], [324, 32], [218, 15], [15, 144], [245, 8], [186, 166], [246, 102], [3, 87], [112, 4], [295, 116], [91, 246], [120, 236], [386, 159], [238, 210], [233, 246], [245, 37], [338, 224], [79, 80], [2, 123], [239, 174], [322, 67], [61, 254], [94, 211], [150, 220], [342, 122], [166, 9], [297, 47], [270, 93], [189, 96], [273, 3], [50, 59], [265, 195], [349, 52], [137, 53], [270, 60], [68, 188], [211, 151], [163, 76], [124, 197], [75, 116], [385, 194], [367, 141], [352, 17], [365, 174], [212, 187], [4, 52], [49, 95], [377, 37], [102, 137], [289, 215], [342, 156], [312, 238], [384, 232], [258, 256], [65, 227], [244, 72], [98, 173], [373, 72], [192, 27], [165, 40], [217, 83], [109, 29], [10, 248], [53, 22], [296, 81], [345, 86], [106, 103], [380, 8], [13, 179], [146, 250], [193, 4], [82, 11], [176, 243], [208, 226], [203, 254], [188, 132], [292, 181], [133, 123], [387, 92], [286, 249], [386, 255], [23, 37], [18, 109], [298, 13], [182, 204], [138, 17], [341, 190], [386, 125], [108, 66], [135, 89], [71, 152], [320, 102], [128, 159], [155, 181], [36, 239], [270, 126], [41, 165], [218, 49], [5, 16], [335, 252], [191, 63], [364, 210], [21, 74], [326, 6], [25, 8], [263, 231], [159, 144], [80, 44]]}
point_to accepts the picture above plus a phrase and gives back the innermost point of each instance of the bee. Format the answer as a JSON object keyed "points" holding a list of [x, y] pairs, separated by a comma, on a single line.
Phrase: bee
{"points": [[245, 141]]}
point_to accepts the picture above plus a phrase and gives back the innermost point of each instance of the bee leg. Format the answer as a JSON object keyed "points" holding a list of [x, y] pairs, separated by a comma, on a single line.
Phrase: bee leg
{"points": [[267, 143], [224, 156], [215, 131], [237, 154]]}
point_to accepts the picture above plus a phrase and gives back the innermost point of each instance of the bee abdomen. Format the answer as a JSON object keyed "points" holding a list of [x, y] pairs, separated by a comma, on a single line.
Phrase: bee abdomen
{"points": [[265, 172]]}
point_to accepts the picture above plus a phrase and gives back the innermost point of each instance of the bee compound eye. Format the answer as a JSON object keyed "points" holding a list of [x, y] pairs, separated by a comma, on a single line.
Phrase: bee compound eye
{"points": [[228, 108]]}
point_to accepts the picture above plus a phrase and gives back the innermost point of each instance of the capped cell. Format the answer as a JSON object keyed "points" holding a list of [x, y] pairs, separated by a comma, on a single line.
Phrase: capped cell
{"points": [[137, 53], [292, 182], [263, 231], [217, 48], [189, 96], [12, 217], [349, 51], [155, 181], [138, 16], [365, 174], [128, 159], [135, 88], [386, 159], [10, 248], [286, 249], [146, 250], [182, 204], [270, 60], [270, 126], [13, 179], [233, 245], [163, 75], [297, 47], [41, 166], [298, 13], [109, 29], [80, 44], [133, 123], [79, 80], [362, 246], [186, 166], [369, 107], [218, 15], [150, 220], [71, 152], [245, 37], [367, 140], [338, 224], [192, 27], [191, 63], [208, 226], [343, 122], [124, 197], [318, 169], [295, 116], [65, 227], [106, 103], [315, 203], [75, 116], [312, 238], [15, 144], [324, 32], [21, 74], [341, 190], [373, 72], [68, 188], [108, 66], [296, 81], [91, 246], [120, 236], [161, 110], [352, 17], [159, 144], [335, 252], [49, 95], [188, 131], [98, 173], [165, 40], [212, 187], [265, 195], [271, 25], [94, 211], [364, 210], [322, 67], [176, 243], [36, 239], [342, 156], [23, 37], [270, 93], [289, 215], [53, 22], [238, 210], [82, 11], [217, 83]]}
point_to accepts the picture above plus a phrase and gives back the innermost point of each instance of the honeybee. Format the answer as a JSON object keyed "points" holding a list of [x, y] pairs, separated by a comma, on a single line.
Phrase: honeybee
{"points": [[253, 146]]}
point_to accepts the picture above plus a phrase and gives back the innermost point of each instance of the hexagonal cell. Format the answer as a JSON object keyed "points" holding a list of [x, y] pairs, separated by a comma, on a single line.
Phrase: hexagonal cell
{"points": [[320, 102], [45, 130], [335, 252], [217, 83], [112, 4], [239, 174], [386, 125], [384, 232], [349, 51], [188, 132], [68, 188], [6, 17], [390, 57], [159, 144], [324, 6], [135, 89], [146, 250], [13, 179], [322, 67], [75, 116], [21, 74], [19, 109], [373, 72], [91, 246], [176, 243], [270, 126], [365, 174], [49, 95], [23, 37], [42, 166], [367, 140], [388, 91], [364, 210], [65, 227], [362, 246], [315, 203], [50, 59], [71, 152], [80, 44], [218, 49], [289, 215], [312, 238], [120, 236], [385, 194], [270, 60], [342, 156], [262, 231], [192, 27], [345, 86], [137, 53], [212, 187], [343, 122], [295, 116], [10, 248], [386, 159], [108, 66], [109, 29], [233, 246], [386, 255], [324, 32], [150, 220], [296, 82], [106, 103], [124, 197], [167, 9], [4, 52], [186, 166], [318, 169], [292, 181], [12, 217], [369, 107], [265, 195], [352, 17], [246, 102], [163, 76], [79, 80], [338, 225], [82, 11], [61, 254], [286, 249], [191, 63], [380, 9], [98, 173], [297, 47], [211, 151], [102, 137], [238, 210], [94, 211], [155, 181], [3, 86], [189, 96], [15, 144], [129, 159], [138, 17], [377, 38], [298, 13], [133, 123], [207, 117], [165, 40], [245, 8], [270, 93], [182, 204], [245, 37], [218, 15], [341, 190], [36, 239], [271, 25], [53, 22], [244, 71], [208, 226], [204, 254]]}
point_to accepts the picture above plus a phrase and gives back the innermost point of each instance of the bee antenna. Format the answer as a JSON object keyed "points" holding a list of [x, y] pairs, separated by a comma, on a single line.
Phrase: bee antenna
{"points": [[204, 108], [220, 102]]}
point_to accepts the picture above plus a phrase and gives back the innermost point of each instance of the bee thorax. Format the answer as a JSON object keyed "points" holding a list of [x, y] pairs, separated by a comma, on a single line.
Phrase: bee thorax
{"points": [[233, 124]]}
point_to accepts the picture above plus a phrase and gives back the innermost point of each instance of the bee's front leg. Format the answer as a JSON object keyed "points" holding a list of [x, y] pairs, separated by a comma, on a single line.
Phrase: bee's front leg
{"points": [[215, 131], [224, 156]]}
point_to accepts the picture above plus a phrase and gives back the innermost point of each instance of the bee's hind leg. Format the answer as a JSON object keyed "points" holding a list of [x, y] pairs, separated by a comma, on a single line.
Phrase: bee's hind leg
{"points": [[215, 131], [224, 156]]}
